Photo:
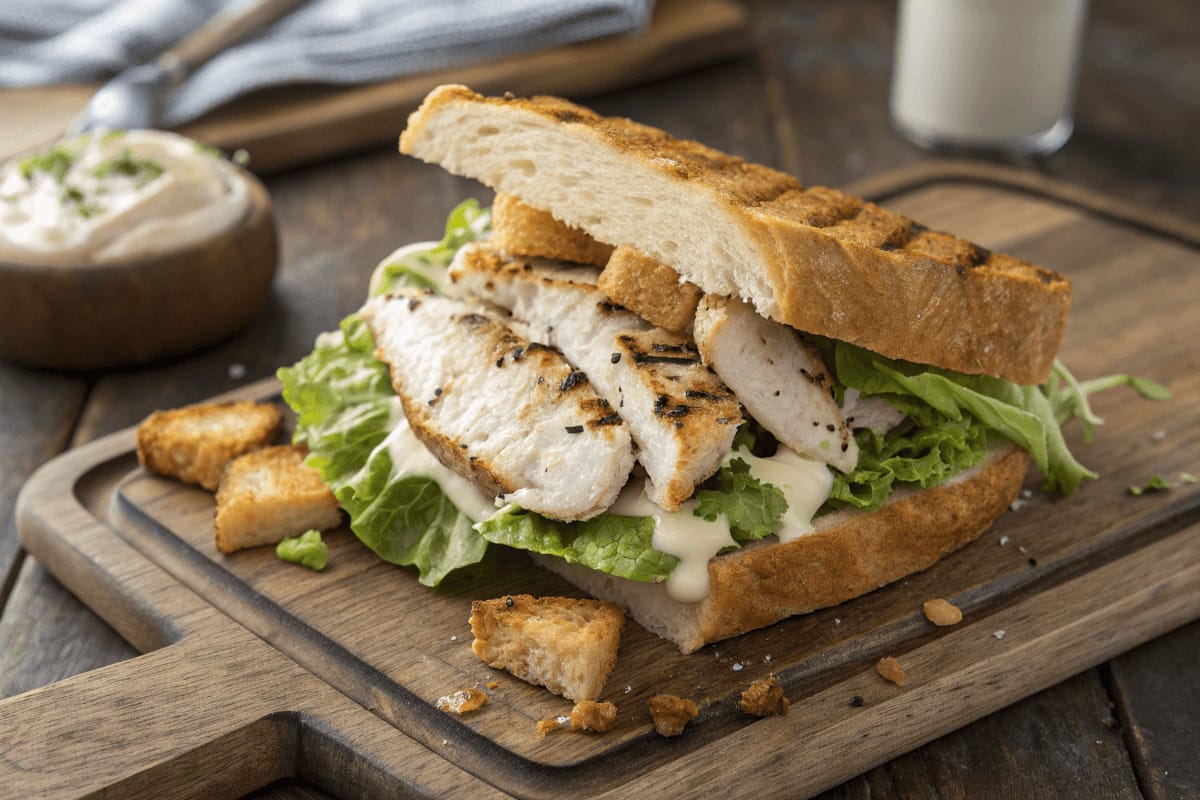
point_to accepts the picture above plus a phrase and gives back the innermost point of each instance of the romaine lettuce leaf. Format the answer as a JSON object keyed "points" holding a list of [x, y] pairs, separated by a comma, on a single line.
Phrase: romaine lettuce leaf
{"points": [[1021, 414], [425, 267], [345, 408], [619, 546], [925, 450], [752, 507]]}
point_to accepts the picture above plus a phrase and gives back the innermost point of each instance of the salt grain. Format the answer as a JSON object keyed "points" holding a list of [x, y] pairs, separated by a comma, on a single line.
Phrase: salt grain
{"points": [[737, 667], [999, 634], [237, 372], [1004, 540]]}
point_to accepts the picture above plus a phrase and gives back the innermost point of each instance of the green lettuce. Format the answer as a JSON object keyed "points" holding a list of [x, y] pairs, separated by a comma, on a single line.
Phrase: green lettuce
{"points": [[619, 546], [425, 267], [925, 450], [1029, 416], [307, 550], [753, 508], [346, 408]]}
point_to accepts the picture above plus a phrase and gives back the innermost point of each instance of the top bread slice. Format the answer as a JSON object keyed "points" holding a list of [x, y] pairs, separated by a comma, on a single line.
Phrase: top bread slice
{"points": [[816, 259]]}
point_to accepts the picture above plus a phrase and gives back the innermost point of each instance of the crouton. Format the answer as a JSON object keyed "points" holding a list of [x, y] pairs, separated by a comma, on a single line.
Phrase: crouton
{"points": [[567, 645], [671, 714], [650, 289], [889, 669], [193, 444], [520, 230], [764, 699], [268, 495]]}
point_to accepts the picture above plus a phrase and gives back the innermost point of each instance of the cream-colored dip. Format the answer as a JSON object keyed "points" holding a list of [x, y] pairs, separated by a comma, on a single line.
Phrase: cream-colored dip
{"points": [[116, 196]]}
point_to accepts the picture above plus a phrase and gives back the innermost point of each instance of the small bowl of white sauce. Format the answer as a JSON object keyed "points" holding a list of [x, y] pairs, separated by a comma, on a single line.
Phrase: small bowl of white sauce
{"points": [[122, 247]]}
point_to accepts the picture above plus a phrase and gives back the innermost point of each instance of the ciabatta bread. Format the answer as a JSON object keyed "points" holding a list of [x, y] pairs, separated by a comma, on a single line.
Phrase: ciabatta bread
{"points": [[851, 553], [815, 258]]}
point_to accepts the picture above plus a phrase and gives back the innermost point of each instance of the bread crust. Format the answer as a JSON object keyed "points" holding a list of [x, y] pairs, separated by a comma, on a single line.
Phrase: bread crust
{"points": [[815, 258], [522, 230], [850, 554]]}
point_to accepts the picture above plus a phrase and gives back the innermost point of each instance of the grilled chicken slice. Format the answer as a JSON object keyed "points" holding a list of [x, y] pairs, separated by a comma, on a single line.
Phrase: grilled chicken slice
{"points": [[681, 416], [780, 379], [510, 415]]}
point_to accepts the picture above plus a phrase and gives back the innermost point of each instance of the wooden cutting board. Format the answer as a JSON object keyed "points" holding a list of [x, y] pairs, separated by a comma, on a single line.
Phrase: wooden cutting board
{"points": [[283, 127], [256, 670]]}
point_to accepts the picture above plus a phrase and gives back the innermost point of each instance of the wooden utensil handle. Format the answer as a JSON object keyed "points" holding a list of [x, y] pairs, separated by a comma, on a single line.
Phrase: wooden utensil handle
{"points": [[222, 31]]}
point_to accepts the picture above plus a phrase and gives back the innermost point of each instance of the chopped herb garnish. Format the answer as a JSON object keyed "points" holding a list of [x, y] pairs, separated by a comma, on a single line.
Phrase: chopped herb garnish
{"points": [[72, 194], [110, 135], [208, 149], [57, 160], [142, 170], [1156, 484]]}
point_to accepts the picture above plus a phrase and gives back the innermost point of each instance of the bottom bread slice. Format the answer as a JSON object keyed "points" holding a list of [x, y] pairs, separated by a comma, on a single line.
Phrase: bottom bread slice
{"points": [[851, 553]]}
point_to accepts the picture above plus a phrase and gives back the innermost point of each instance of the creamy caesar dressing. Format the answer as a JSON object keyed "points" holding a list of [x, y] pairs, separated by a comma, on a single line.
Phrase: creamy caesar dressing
{"points": [[805, 485], [114, 196], [410, 457], [691, 539], [407, 259]]}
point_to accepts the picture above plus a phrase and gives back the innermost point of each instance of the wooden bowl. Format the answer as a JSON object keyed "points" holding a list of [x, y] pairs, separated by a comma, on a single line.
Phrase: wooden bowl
{"points": [[107, 315]]}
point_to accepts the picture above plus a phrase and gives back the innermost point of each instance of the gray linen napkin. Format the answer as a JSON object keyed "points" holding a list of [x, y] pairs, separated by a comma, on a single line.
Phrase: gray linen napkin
{"points": [[325, 41]]}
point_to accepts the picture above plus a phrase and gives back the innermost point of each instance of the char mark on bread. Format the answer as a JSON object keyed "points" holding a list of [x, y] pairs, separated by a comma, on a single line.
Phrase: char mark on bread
{"points": [[815, 259]]}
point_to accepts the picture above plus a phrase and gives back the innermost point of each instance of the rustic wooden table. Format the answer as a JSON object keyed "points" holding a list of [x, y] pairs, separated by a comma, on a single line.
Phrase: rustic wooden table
{"points": [[810, 99]]}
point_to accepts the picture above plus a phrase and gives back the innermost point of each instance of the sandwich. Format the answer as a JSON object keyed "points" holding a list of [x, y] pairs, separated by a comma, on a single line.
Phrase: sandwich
{"points": [[685, 382]]}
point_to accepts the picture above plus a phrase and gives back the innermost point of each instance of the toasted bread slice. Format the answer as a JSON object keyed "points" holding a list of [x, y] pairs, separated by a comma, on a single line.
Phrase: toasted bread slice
{"points": [[816, 259], [270, 494], [567, 645], [650, 289], [193, 444], [522, 230], [849, 554]]}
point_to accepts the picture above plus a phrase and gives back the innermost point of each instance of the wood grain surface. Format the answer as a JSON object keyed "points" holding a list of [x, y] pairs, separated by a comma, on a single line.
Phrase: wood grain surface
{"points": [[810, 95], [1075, 581]]}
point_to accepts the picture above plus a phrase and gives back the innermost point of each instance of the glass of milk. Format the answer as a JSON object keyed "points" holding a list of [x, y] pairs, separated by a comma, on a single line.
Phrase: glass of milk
{"points": [[994, 75]]}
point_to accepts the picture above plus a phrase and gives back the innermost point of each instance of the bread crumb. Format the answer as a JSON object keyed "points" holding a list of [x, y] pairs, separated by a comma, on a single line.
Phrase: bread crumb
{"points": [[194, 444], [671, 714], [565, 644], [764, 699], [492, 684], [588, 715], [546, 727], [462, 701], [891, 670], [942, 612]]}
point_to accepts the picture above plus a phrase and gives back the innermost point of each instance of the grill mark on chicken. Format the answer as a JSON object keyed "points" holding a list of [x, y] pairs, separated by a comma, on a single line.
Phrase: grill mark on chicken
{"points": [[513, 421], [745, 348], [682, 438]]}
